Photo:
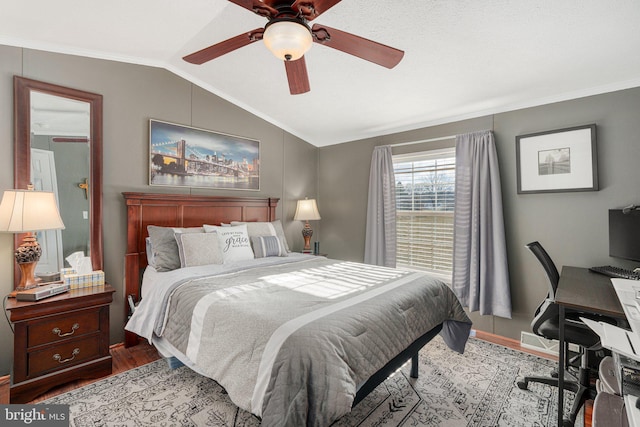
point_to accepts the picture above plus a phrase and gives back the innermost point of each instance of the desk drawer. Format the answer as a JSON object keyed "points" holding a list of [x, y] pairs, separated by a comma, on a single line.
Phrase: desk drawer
{"points": [[63, 355], [65, 326]]}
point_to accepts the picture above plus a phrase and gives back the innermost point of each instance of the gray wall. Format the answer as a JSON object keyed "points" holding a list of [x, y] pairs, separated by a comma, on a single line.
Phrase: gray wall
{"points": [[571, 226], [132, 95]]}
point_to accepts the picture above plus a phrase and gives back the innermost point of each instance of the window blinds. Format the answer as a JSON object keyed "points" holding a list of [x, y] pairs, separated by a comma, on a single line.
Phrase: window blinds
{"points": [[425, 190]]}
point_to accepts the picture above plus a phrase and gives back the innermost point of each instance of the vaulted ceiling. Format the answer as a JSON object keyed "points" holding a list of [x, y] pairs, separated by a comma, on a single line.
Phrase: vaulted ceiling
{"points": [[463, 58]]}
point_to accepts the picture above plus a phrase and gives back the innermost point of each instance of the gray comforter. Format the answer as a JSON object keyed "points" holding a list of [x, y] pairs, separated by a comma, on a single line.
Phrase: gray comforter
{"points": [[292, 342]]}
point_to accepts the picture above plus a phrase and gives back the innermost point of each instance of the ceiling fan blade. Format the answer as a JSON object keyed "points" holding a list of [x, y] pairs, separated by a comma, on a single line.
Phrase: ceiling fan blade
{"points": [[262, 8], [297, 76], [366, 49], [219, 49], [311, 9]]}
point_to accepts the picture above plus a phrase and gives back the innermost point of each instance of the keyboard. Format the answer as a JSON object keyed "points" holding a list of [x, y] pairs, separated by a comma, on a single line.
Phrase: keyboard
{"points": [[616, 272]]}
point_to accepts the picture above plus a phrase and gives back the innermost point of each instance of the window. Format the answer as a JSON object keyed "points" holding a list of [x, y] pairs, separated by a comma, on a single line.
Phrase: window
{"points": [[425, 195]]}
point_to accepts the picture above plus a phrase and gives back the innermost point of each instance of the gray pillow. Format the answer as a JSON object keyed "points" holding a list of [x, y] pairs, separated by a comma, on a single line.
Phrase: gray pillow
{"points": [[165, 247], [266, 246], [273, 228], [198, 249]]}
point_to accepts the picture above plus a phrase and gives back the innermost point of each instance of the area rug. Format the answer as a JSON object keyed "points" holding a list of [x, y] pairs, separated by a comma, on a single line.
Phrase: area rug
{"points": [[475, 389]]}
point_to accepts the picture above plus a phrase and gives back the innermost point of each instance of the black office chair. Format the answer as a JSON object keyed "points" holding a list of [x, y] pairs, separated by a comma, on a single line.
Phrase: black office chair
{"points": [[546, 324]]}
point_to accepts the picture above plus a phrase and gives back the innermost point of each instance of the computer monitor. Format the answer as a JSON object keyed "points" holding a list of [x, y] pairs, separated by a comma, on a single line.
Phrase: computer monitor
{"points": [[624, 234]]}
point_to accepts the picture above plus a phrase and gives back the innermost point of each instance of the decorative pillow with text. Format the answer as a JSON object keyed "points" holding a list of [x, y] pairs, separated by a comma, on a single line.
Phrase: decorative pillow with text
{"points": [[234, 242]]}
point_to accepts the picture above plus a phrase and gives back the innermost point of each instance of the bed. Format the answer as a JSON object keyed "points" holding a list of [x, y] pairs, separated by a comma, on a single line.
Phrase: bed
{"points": [[295, 339]]}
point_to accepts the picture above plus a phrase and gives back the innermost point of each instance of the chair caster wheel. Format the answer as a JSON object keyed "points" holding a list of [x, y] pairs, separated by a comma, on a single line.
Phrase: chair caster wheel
{"points": [[567, 423], [522, 385]]}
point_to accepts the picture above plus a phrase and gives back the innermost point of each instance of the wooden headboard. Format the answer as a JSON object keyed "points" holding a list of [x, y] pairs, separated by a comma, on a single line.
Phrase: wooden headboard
{"points": [[179, 210]]}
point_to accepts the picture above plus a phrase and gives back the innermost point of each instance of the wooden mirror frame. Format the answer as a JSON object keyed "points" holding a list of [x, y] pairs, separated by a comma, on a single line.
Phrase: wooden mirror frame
{"points": [[22, 88]]}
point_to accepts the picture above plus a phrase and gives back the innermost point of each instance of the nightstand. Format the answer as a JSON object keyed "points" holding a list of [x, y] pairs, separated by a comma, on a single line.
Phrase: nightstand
{"points": [[59, 339]]}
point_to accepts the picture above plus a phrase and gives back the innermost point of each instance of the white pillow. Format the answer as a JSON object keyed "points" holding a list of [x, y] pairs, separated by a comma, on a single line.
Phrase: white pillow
{"points": [[149, 249], [234, 242], [198, 249]]}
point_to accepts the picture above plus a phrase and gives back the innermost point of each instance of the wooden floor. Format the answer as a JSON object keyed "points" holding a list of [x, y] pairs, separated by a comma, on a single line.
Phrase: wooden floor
{"points": [[143, 353]]}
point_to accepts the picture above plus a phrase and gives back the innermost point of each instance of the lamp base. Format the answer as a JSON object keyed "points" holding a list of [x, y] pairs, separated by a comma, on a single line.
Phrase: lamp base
{"points": [[27, 279], [27, 256], [307, 232]]}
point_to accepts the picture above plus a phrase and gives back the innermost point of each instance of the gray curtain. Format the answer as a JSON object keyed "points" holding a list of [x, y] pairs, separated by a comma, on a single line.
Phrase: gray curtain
{"points": [[380, 239], [480, 271]]}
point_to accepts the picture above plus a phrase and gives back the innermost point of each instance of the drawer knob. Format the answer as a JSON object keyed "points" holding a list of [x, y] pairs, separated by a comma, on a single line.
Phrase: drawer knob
{"points": [[74, 353], [58, 332]]}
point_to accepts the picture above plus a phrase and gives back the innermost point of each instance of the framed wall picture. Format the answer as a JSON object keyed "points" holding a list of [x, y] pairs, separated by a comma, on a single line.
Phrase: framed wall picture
{"points": [[557, 161], [184, 156]]}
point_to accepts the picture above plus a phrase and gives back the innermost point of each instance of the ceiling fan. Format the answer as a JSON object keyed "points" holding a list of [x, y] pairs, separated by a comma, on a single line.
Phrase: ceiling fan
{"points": [[289, 37]]}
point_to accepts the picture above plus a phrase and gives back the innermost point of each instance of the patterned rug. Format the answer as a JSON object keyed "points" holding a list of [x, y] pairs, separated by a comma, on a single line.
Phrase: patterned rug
{"points": [[475, 389]]}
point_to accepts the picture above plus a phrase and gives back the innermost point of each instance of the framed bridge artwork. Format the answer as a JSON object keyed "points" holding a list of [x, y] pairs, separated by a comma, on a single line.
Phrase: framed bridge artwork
{"points": [[184, 156]]}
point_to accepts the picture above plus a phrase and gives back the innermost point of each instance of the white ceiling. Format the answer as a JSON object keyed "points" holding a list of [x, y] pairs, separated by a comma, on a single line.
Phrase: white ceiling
{"points": [[58, 116], [463, 58]]}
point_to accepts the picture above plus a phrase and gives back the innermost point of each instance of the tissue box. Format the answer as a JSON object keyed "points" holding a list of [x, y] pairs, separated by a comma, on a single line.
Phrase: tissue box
{"points": [[67, 271], [77, 281]]}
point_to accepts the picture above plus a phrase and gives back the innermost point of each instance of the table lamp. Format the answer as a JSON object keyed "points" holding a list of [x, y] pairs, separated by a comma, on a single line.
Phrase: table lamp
{"points": [[307, 210], [27, 211]]}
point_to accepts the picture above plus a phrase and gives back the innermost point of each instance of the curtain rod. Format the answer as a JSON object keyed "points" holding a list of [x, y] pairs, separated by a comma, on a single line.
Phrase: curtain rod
{"points": [[422, 141]]}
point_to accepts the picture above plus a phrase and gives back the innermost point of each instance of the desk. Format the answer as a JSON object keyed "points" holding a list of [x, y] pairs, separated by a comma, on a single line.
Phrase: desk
{"points": [[627, 291], [581, 289]]}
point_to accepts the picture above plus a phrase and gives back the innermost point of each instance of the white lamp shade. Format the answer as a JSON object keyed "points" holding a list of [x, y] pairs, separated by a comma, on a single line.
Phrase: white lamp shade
{"points": [[287, 40], [307, 210], [26, 210]]}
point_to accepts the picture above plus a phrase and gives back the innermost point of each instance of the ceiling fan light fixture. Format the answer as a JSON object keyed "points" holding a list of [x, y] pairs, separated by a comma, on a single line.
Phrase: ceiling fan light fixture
{"points": [[288, 40]]}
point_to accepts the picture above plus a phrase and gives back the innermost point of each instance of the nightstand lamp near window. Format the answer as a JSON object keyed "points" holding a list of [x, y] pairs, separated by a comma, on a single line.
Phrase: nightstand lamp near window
{"points": [[27, 211], [307, 210]]}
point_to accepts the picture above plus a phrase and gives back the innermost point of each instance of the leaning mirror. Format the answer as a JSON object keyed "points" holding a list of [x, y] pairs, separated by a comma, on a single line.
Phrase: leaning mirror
{"points": [[58, 148]]}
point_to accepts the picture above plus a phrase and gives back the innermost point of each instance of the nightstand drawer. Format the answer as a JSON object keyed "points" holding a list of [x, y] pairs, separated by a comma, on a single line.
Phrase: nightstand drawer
{"points": [[63, 355], [58, 328]]}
